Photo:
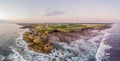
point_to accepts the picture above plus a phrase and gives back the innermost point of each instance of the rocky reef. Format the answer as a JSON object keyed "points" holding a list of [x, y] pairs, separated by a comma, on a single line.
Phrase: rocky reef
{"points": [[42, 37]]}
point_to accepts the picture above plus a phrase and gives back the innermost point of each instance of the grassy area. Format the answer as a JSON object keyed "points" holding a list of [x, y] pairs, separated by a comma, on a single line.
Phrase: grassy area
{"points": [[67, 27]]}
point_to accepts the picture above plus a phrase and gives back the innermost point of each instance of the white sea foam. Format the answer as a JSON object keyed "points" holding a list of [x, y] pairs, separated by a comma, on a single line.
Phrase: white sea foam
{"points": [[2, 58]]}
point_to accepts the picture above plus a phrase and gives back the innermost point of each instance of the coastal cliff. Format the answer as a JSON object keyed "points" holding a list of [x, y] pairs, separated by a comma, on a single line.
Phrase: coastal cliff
{"points": [[43, 37]]}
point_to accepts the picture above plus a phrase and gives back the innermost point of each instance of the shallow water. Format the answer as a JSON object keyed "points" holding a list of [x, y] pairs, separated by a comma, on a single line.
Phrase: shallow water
{"points": [[103, 47]]}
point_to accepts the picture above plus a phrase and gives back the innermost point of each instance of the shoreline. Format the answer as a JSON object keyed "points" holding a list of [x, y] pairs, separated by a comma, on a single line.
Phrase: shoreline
{"points": [[47, 42]]}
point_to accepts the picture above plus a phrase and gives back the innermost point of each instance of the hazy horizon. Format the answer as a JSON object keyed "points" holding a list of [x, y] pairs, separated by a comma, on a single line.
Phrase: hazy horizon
{"points": [[40, 11], [73, 21]]}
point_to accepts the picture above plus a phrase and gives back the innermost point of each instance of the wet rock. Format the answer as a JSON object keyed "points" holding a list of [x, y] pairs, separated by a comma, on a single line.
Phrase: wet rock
{"points": [[48, 47], [64, 37], [54, 59], [28, 37], [35, 47]]}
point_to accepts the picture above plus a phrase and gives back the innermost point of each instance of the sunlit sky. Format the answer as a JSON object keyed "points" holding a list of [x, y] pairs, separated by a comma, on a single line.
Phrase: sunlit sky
{"points": [[60, 10]]}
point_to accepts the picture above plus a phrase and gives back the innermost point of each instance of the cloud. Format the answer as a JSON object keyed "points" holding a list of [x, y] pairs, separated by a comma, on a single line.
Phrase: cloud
{"points": [[54, 13]]}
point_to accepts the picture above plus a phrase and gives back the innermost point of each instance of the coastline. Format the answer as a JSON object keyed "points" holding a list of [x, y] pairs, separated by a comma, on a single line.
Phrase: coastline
{"points": [[58, 36]]}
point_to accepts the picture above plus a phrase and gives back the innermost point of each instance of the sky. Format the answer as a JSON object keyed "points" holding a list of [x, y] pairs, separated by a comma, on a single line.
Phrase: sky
{"points": [[60, 10]]}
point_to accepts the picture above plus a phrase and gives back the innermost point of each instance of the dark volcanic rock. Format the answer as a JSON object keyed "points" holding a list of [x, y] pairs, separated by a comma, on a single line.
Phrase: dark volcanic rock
{"points": [[63, 37]]}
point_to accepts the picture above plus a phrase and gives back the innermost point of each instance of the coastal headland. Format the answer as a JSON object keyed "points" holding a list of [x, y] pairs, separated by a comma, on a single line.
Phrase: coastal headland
{"points": [[42, 37]]}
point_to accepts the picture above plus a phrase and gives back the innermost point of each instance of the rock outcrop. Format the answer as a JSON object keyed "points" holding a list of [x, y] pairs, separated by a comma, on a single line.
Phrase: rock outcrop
{"points": [[37, 43]]}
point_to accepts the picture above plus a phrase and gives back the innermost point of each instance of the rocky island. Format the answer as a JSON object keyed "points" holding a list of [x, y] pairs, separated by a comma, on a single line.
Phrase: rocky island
{"points": [[42, 37]]}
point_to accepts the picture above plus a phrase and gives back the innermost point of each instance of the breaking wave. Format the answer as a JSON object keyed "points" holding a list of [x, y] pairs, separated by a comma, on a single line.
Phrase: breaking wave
{"points": [[101, 54]]}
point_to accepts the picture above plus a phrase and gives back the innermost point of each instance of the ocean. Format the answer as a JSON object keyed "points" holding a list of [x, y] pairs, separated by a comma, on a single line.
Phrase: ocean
{"points": [[103, 47]]}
